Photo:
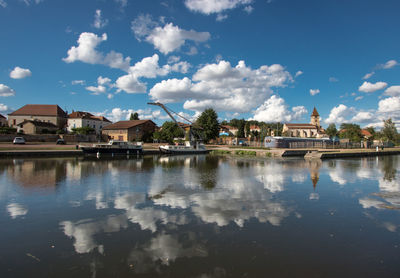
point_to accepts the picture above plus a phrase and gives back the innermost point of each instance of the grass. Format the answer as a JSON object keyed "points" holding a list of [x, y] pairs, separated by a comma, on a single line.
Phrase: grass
{"points": [[268, 154], [220, 152], [250, 153], [248, 147]]}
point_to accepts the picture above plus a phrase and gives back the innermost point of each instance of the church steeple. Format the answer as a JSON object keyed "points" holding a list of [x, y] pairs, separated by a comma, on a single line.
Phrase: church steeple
{"points": [[315, 118]]}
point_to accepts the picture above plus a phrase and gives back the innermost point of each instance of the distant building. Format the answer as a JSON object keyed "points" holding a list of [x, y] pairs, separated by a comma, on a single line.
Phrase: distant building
{"points": [[85, 119], [38, 112], [129, 130], [3, 121], [311, 130], [36, 127], [227, 130]]}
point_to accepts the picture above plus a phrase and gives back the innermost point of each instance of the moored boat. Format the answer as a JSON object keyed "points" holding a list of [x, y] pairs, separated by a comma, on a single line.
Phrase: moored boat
{"points": [[189, 148], [113, 147]]}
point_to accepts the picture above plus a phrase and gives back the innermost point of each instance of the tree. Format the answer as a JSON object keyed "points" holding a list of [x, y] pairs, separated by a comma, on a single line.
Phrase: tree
{"points": [[350, 131], [331, 130], [371, 130], [169, 131], [208, 121], [240, 127], [389, 131], [134, 116], [247, 129], [83, 130]]}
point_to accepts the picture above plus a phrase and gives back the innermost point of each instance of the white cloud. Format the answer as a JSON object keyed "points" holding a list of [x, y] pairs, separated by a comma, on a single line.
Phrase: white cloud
{"points": [[339, 114], [276, 110], [368, 75], [359, 98], [6, 91], [391, 104], [214, 6], [3, 107], [86, 52], [313, 92], [19, 73], [221, 17], [3, 3], [393, 91], [118, 114], [248, 9], [166, 39], [29, 2], [130, 84], [389, 64], [333, 79], [102, 84], [223, 87], [98, 21], [363, 117], [298, 73], [78, 82], [368, 87]]}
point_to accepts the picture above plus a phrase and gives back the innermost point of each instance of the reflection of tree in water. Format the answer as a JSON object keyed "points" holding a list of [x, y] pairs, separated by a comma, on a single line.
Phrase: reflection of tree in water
{"points": [[208, 172], [388, 167]]}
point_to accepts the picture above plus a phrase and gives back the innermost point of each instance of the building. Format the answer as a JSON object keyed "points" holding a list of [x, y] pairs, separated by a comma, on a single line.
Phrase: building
{"points": [[38, 112], [311, 130], [3, 121], [36, 127], [129, 130], [80, 119], [227, 130]]}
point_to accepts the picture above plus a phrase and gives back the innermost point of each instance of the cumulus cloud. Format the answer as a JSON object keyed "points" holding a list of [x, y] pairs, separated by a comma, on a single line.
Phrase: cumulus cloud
{"points": [[3, 3], [248, 9], [214, 6], [102, 84], [223, 87], [313, 92], [99, 22], [117, 114], [78, 82], [87, 52], [167, 38], [363, 117], [391, 104], [275, 110], [393, 91], [368, 87], [6, 91], [339, 114], [368, 75], [19, 73]]}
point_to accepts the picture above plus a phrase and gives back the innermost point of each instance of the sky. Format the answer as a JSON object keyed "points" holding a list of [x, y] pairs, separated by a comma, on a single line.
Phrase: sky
{"points": [[267, 60]]}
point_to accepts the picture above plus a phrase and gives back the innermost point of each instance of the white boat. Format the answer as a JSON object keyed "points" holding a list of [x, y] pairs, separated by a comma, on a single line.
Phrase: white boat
{"points": [[189, 148], [113, 147]]}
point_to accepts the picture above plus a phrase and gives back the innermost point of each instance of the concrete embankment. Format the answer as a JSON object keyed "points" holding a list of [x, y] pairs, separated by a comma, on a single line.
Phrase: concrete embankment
{"points": [[349, 154]]}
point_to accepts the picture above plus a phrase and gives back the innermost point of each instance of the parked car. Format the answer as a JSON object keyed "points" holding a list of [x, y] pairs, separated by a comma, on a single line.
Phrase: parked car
{"points": [[19, 140], [60, 142]]}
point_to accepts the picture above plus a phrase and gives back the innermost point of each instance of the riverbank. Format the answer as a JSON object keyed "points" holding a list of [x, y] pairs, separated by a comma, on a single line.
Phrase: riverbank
{"points": [[52, 150]]}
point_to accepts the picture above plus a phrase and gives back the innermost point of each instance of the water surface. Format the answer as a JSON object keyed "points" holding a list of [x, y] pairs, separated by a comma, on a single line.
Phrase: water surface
{"points": [[200, 216]]}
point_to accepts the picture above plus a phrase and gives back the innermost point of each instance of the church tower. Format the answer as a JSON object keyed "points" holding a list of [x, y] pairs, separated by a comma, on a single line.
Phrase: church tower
{"points": [[315, 119]]}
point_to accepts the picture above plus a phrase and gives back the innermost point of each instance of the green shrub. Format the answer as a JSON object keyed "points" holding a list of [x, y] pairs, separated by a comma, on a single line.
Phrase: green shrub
{"points": [[7, 130], [220, 152], [268, 154]]}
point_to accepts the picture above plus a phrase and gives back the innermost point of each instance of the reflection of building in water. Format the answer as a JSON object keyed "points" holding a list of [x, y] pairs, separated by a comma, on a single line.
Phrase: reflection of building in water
{"points": [[37, 173], [313, 166]]}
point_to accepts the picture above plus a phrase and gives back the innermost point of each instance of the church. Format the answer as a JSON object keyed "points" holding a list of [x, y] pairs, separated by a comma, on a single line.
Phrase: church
{"points": [[311, 130]]}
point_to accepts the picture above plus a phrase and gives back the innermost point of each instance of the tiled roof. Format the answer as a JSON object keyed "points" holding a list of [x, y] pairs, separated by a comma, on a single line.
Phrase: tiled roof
{"points": [[126, 124], [315, 113], [38, 123], [101, 118], [39, 110], [87, 115], [1, 116], [366, 133]]}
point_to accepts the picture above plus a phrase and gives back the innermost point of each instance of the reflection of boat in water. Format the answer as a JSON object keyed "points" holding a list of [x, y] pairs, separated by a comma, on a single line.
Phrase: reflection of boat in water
{"points": [[114, 147], [189, 148]]}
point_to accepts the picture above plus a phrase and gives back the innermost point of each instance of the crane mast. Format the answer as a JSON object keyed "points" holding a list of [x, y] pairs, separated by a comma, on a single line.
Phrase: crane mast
{"points": [[191, 134]]}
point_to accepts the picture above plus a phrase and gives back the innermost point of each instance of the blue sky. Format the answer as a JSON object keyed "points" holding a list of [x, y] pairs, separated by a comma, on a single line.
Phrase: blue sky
{"points": [[253, 59]]}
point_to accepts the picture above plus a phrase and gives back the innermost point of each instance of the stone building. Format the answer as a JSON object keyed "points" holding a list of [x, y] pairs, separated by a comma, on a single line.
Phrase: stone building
{"points": [[79, 119], [311, 130], [36, 127], [129, 130], [38, 112]]}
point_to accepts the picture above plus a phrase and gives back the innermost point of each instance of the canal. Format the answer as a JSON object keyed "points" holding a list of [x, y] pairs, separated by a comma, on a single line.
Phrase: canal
{"points": [[200, 216]]}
